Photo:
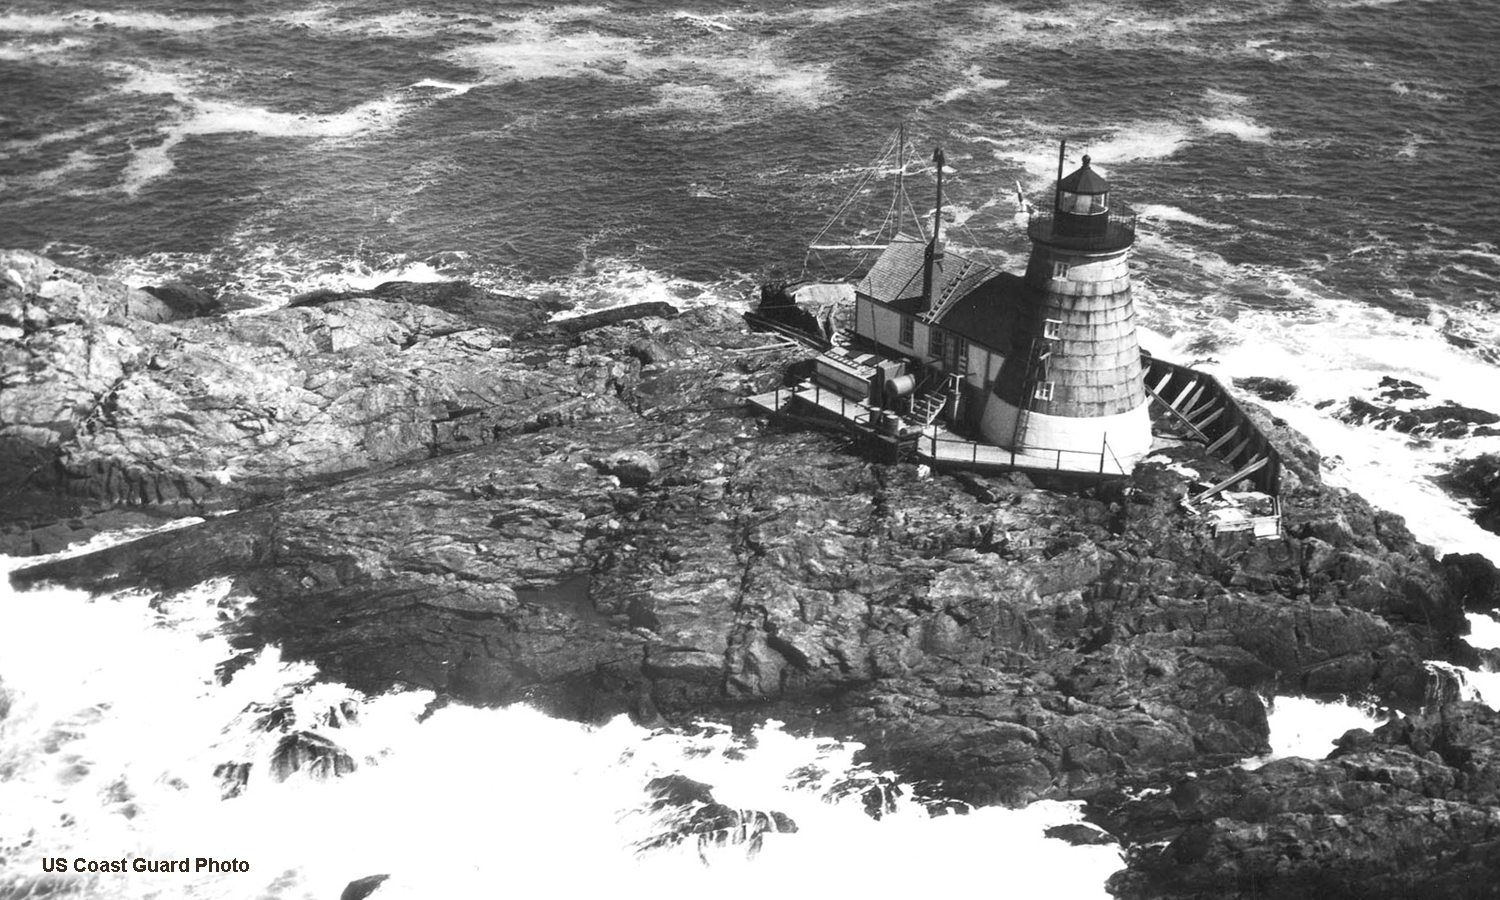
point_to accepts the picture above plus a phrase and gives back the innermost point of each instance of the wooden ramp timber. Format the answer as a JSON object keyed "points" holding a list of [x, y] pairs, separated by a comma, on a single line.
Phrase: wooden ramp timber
{"points": [[1208, 413]]}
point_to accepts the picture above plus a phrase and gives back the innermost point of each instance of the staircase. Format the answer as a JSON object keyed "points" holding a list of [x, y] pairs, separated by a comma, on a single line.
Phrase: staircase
{"points": [[927, 406]]}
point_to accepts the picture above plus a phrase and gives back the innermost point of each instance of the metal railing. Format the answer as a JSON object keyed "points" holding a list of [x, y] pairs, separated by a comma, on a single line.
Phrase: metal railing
{"points": [[1062, 459], [860, 414], [1118, 233], [1078, 460]]}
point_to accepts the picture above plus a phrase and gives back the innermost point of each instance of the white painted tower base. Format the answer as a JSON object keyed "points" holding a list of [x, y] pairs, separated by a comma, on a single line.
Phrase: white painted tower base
{"points": [[1128, 435]]}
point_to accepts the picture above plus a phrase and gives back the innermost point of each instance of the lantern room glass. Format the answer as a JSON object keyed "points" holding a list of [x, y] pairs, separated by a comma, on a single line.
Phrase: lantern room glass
{"points": [[1083, 204]]}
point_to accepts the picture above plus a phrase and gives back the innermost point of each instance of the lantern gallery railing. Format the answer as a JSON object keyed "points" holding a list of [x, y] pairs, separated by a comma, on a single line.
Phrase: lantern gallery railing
{"points": [[1118, 232]]}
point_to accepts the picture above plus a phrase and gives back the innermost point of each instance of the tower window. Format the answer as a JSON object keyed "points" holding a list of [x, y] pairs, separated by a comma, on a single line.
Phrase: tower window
{"points": [[1059, 270], [1052, 329], [1043, 391], [908, 331]]}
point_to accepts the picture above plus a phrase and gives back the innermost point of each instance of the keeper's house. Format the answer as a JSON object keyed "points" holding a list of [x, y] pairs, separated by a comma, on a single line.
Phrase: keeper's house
{"points": [[1040, 364]]}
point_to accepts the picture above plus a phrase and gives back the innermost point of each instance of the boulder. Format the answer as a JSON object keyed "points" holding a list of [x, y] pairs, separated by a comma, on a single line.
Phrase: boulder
{"points": [[37, 294], [185, 300], [1477, 480], [360, 888], [1406, 811], [686, 809], [312, 754]]}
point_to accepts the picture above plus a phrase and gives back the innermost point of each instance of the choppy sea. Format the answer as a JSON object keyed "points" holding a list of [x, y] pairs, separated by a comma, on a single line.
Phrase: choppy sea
{"points": [[1312, 177]]}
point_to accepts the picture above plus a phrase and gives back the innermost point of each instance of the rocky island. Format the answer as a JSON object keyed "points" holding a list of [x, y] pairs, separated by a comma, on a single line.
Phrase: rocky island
{"points": [[432, 486]]}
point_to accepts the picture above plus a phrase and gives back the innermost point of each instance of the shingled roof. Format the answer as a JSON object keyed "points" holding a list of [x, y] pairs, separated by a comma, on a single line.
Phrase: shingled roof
{"points": [[896, 275], [985, 294]]}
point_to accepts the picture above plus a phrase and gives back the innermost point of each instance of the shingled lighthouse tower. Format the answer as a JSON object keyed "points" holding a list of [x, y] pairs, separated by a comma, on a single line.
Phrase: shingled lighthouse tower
{"points": [[1074, 380]]}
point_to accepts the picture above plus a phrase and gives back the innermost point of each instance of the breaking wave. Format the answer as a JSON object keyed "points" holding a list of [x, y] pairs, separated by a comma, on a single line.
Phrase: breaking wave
{"points": [[131, 746]]}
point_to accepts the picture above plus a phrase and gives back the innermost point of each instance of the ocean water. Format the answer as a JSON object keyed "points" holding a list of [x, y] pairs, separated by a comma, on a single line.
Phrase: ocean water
{"points": [[1312, 179], [112, 750], [1312, 176]]}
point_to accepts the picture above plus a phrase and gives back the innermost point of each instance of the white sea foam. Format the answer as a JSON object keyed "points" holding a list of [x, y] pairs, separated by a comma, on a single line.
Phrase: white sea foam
{"points": [[1403, 89], [1332, 349], [1242, 128], [34, 23], [1484, 632], [1264, 46], [451, 88], [364, 278], [1472, 686], [531, 51], [1486, 252], [1080, 22], [1161, 213], [1304, 727], [972, 82], [1134, 141], [23, 51], [1139, 141], [1222, 98], [111, 749], [334, 19], [606, 282], [77, 161], [535, 48], [699, 99], [199, 116], [83, 19], [708, 23]]}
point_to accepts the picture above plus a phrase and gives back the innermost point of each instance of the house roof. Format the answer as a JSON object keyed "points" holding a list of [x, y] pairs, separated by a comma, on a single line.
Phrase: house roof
{"points": [[896, 275], [987, 297], [897, 272], [987, 314]]}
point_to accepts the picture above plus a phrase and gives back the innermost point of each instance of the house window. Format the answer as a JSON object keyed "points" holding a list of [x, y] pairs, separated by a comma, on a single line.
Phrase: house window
{"points": [[960, 357], [908, 331], [936, 343], [1043, 390], [1052, 329], [1059, 270]]}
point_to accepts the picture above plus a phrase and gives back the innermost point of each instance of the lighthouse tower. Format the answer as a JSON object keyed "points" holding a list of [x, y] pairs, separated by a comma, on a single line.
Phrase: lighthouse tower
{"points": [[1073, 381]]}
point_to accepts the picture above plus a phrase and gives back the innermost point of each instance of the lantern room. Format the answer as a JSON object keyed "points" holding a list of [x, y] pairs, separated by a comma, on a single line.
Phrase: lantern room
{"points": [[1083, 202]]}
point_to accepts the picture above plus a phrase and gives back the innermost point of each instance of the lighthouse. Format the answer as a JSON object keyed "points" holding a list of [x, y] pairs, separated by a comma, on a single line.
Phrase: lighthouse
{"points": [[1073, 380]]}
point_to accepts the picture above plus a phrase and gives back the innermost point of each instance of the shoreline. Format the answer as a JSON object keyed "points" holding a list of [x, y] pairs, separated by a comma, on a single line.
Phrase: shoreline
{"points": [[589, 521]]}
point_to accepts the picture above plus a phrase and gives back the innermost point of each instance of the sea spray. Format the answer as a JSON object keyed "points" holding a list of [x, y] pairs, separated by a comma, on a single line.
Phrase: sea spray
{"points": [[1305, 727], [119, 733]]}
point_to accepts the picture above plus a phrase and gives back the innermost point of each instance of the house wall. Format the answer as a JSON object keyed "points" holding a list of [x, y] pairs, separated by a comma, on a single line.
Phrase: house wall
{"points": [[882, 325]]}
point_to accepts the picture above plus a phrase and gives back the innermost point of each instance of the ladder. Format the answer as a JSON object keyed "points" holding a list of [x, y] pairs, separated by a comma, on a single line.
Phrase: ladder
{"points": [[951, 293], [1036, 373]]}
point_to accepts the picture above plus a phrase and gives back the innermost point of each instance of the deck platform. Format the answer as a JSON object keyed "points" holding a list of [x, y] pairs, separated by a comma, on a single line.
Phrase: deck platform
{"points": [[933, 444]]}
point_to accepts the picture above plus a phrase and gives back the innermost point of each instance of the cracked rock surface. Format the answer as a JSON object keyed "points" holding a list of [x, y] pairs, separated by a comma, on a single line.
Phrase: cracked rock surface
{"points": [[616, 534]]}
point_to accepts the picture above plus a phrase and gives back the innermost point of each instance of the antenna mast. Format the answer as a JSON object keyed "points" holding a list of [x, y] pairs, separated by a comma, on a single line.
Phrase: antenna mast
{"points": [[1057, 188], [934, 249], [900, 178]]}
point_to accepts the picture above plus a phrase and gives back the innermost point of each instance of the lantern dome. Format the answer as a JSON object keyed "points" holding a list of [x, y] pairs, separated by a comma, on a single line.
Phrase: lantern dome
{"points": [[1083, 193]]}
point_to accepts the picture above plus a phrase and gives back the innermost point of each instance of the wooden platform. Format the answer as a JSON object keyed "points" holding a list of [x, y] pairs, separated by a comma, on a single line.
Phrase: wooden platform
{"points": [[932, 444]]}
